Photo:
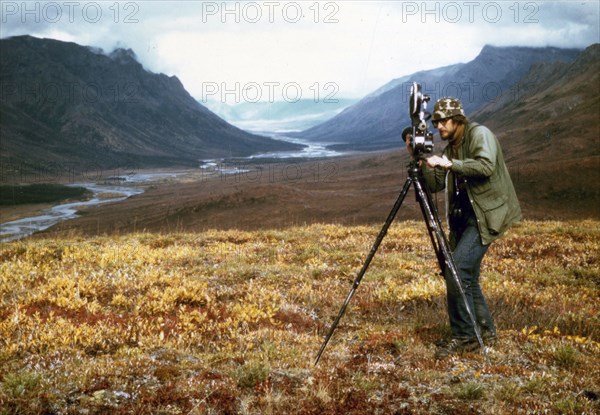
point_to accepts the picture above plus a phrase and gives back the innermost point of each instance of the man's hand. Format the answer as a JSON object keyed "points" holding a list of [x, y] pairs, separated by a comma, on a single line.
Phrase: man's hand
{"points": [[408, 144], [437, 161]]}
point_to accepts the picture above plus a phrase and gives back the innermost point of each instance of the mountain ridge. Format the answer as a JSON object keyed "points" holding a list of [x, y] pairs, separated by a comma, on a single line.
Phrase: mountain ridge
{"points": [[63, 102], [376, 121]]}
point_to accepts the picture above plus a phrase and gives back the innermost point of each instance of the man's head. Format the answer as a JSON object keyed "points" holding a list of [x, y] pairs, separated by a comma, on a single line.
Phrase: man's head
{"points": [[448, 115]]}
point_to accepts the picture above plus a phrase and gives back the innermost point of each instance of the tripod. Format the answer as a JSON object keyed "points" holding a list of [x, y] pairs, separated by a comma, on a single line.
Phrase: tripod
{"points": [[438, 239]]}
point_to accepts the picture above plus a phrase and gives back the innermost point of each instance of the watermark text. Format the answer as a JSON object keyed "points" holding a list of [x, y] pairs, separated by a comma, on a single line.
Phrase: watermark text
{"points": [[70, 11], [470, 12], [269, 11], [253, 92]]}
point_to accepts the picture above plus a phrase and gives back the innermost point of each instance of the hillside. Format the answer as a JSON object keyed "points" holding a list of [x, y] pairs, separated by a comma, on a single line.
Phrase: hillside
{"points": [[231, 322], [550, 131], [377, 121], [66, 103], [553, 109]]}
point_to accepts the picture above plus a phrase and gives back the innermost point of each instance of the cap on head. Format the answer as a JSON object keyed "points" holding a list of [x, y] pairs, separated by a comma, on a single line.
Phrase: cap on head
{"points": [[447, 107]]}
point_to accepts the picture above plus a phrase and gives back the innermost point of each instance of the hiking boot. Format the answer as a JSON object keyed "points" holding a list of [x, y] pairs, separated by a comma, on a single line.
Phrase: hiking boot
{"points": [[489, 337], [457, 346], [442, 342]]}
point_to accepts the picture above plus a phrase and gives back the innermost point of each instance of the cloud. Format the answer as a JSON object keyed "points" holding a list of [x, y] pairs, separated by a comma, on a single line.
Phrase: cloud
{"points": [[356, 46]]}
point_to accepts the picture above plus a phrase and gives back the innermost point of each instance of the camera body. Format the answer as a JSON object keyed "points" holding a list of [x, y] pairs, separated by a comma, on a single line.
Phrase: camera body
{"points": [[422, 138]]}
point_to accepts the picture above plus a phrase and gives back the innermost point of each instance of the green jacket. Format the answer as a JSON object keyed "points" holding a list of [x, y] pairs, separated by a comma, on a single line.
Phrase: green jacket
{"points": [[491, 192]]}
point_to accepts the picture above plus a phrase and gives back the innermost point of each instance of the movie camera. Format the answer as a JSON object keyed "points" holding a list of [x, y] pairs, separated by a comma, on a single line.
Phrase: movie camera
{"points": [[422, 138]]}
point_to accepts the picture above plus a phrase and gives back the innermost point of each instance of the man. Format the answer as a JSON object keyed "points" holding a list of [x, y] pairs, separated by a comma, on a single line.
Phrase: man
{"points": [[481, 204]]}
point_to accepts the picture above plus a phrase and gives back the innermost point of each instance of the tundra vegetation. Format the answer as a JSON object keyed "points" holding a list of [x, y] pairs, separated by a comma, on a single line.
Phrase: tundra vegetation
{"points": [[39, 193], [229, 322]]}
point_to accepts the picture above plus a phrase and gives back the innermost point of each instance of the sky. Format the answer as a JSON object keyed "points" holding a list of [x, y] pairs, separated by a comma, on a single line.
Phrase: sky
{"points": [[249, 51]]}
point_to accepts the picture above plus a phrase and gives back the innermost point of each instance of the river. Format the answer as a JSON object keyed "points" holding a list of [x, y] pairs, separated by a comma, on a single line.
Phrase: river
{"points": [[310, 150], [124, 187], [133, 184]]}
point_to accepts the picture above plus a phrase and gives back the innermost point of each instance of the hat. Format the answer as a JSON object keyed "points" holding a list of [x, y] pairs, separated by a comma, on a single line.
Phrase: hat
{"points": [[447, 107]]}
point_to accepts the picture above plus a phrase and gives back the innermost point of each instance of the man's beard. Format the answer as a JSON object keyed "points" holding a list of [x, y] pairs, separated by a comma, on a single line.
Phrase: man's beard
{"points": [[445, 135]]}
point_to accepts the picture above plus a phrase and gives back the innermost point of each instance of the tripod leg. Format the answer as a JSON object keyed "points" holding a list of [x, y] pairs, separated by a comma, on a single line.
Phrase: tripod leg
{"points": [[361, 273], [430, 230], [434, 223]]}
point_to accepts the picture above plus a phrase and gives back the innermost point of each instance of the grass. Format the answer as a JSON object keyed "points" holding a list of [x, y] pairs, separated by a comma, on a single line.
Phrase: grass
{"points": [[229, 322], [470, 391]]}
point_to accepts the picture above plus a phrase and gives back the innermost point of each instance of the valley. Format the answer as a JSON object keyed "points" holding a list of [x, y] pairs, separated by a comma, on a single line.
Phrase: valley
{"points": [[177, 232], [348, 190]]}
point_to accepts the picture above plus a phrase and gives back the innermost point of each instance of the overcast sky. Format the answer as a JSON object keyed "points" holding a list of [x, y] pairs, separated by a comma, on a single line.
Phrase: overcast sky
{"points": [[279, 49]]}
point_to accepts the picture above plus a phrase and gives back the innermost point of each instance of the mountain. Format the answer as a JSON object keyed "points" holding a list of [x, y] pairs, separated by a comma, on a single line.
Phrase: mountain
{"points": [[280, 116], [376, 121], [549, 135], [549, 129], [407, 80], [557, 93], [62, 102]]}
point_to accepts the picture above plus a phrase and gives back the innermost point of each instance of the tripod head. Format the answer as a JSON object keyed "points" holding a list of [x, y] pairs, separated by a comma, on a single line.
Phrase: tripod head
{"points": [[422, 138]]}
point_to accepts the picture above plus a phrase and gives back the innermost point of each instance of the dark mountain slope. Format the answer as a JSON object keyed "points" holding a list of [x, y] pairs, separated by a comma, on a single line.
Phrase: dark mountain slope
{"points": [[62, 102], [550, 131]]}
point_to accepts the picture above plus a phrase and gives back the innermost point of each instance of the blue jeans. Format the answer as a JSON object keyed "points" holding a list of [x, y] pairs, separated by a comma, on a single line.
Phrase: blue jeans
{"points": [[467, 254]]}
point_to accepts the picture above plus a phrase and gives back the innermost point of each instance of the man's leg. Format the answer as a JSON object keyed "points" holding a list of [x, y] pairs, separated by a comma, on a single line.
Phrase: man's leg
{"points": [[480, 308], [467, 256]]}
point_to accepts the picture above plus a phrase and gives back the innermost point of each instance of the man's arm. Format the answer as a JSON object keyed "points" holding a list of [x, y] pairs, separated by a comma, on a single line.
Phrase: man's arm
{"points": [[482, 155], [434, 177]]}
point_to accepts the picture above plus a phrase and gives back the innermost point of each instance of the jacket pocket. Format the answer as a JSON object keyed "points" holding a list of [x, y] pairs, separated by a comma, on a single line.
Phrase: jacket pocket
{"points": [[495, 219], [493, 205]]}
